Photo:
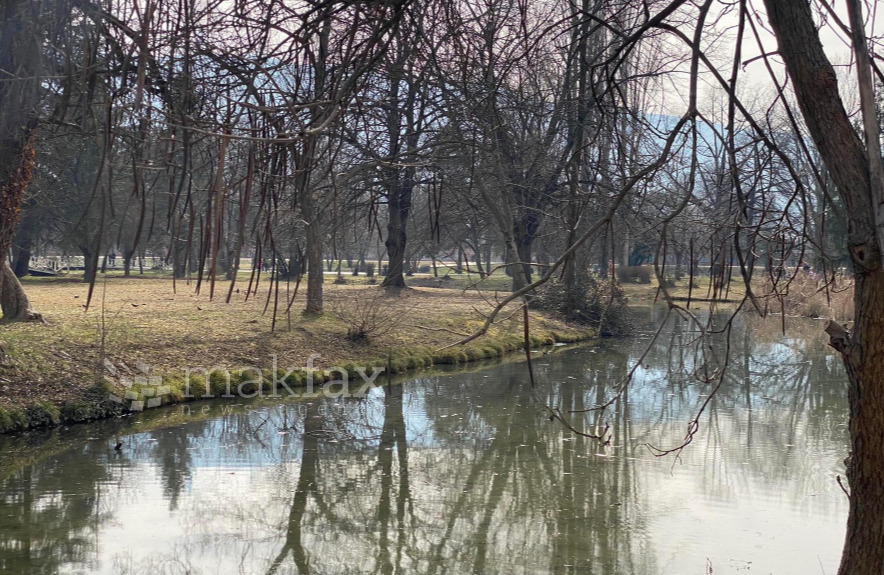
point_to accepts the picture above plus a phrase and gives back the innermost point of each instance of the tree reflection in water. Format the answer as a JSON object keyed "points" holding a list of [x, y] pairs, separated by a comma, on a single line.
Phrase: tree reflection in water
{"points": [[462, 473]]}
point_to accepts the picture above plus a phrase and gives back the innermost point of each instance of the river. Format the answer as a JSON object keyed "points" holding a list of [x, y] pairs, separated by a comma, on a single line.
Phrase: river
{"points": [[464, 471]]}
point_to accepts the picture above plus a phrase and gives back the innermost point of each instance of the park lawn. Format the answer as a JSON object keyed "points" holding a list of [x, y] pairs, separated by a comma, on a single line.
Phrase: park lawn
{"points": [[56, 372]]}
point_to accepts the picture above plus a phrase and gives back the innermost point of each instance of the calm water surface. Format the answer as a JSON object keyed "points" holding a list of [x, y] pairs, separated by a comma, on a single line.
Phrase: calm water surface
{"points": [[461, 473]]}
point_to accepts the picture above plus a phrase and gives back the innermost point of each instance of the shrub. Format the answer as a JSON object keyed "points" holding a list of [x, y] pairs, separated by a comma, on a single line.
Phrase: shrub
{"points": [[599, 303], [43, 413], [634, 274], [367, 315], [809, 295]]}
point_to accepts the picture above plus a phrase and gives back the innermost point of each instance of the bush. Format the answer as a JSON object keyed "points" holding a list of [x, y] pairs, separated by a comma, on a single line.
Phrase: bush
{"points": [[368, 315], [424, 269], [634, 274], [599, 303], [808, 295]]}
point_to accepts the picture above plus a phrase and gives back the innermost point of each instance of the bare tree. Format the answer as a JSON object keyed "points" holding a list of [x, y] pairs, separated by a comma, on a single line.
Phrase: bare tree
{"points": [[850, 163]]}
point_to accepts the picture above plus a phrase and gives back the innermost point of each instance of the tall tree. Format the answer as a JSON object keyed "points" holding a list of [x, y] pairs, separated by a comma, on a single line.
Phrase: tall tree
{"points": [[21, 52], [403, 133], [850, 163]]}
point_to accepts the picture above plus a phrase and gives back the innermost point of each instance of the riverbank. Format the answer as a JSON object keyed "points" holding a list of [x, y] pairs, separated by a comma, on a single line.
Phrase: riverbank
{"points": [[804, 295], [142, 345]]}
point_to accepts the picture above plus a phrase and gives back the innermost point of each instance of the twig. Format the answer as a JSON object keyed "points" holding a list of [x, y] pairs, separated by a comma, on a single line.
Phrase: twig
{"points": [[445, 329], [841, 485]]}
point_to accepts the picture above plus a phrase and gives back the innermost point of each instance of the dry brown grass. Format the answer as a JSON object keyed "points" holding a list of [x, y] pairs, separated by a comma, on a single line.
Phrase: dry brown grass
{"points": [[144, 320], [805, 294], [808, 295]]}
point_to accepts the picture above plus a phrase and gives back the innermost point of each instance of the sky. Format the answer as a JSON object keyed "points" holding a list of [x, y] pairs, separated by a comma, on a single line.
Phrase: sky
{"points": [[755, 86]]}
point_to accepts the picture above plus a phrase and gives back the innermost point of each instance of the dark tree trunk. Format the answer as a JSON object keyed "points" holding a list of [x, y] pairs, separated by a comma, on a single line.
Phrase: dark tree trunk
{"points": [[90, 264], [315, 275], [525, 231], [515, 266], [862, 349], [179, 258], [305, 156], [22, 259], [399, 203], [603, 256], [24, 240], [127, 262], [477, 254], [488, 268], [20, 55], [399, 180], [525, 256]]}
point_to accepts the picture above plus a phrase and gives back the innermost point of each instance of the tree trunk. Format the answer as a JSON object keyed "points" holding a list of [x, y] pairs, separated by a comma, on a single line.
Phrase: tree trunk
{"points": [[514, 265], [401, 131], [399, 204], [488, 267], [477, 255], [524, 232], [90, 264], [526, 256], [179, 258], [603, 255], [315, 275], [20, 57], [127, 261], [24, 240], [13, 300], [846, 157], [863, 352], [22, 259]]}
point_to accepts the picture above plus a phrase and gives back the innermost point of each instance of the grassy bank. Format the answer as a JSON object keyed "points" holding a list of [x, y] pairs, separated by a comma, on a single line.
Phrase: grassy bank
{"points": [[141, 344], [804, 295]]}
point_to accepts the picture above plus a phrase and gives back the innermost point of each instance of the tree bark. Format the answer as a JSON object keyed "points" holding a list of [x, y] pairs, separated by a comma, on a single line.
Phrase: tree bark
{"points": [[20, 55], [90, 263], [23, 241], [399, 205], [514, 264], [22, 258], [402, 132], [525, 230], [846, 158], [315, 275], [13, 300]]}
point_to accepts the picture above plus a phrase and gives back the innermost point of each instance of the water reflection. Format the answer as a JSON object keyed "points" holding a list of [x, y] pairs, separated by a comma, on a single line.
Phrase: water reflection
{"points": [[461, 473]]}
